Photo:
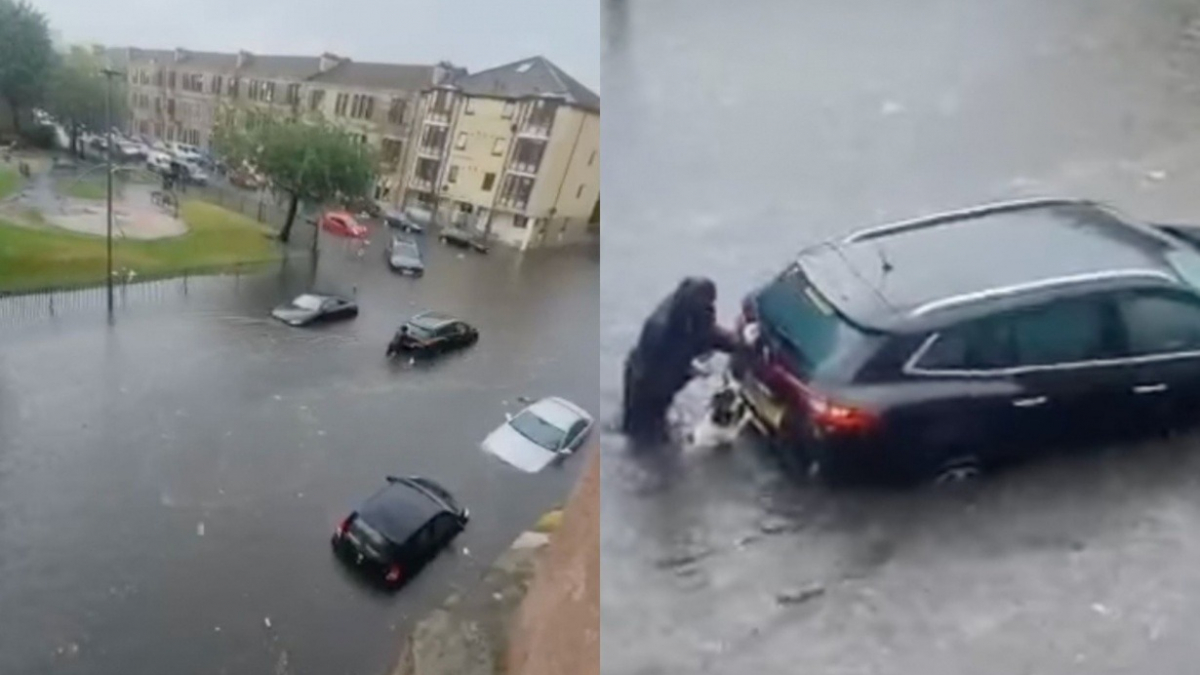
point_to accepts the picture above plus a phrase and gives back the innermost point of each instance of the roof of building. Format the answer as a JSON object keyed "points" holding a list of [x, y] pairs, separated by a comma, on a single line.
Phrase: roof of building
{"points": [[535, 76], [406, 77], [885, 278]]}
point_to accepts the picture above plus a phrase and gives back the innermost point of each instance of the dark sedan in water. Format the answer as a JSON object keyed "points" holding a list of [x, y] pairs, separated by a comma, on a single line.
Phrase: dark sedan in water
{"points": [[404, 256], [311, 308], [399, 529], [432, 333]]}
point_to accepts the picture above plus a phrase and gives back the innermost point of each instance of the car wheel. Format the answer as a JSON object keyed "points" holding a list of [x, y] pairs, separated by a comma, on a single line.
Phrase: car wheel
{"points": [[958, 470]]}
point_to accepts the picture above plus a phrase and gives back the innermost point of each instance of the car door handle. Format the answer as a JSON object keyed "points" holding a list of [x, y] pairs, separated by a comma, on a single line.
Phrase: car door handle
{"points": [[1030, 402], [1150, 388]]}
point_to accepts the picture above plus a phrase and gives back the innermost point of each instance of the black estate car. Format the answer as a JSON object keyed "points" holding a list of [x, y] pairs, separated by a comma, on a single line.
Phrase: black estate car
{"points": [[404, 256], [939, 346], [399, 529], [431, 333], [312, 308]]}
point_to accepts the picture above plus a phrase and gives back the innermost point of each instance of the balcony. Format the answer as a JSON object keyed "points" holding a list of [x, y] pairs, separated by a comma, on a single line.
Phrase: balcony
{"points": [[523, 168], [421, 184], [514, 203], [439, 117], [534, 130], [429, 151]]}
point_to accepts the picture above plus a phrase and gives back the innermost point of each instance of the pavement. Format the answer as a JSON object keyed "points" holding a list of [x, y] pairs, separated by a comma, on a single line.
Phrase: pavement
{"points": [[168, 483], [745, 132]]}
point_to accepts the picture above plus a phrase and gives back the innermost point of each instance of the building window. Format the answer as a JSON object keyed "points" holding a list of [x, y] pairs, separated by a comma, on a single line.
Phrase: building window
{"points": [[390, 150], [396, 111], [269, 92], [427, 170], [592, 158], [520, 222], [293, 94], [233, 87], [441, 103], [315, 98], [363, 107], [461, 141], [488, 180], [509, 109], [171, 80], [452, 176], [579, 192], [340, 105], [215, 85], [469, 106], [515, 191], [498, 147]]}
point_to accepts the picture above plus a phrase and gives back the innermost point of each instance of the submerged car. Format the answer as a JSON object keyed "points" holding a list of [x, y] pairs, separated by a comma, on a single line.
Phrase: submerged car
{"points": [[432, 333], [312, 308], [402, 221], [933, 348], [398, 530], [540, 434], [463, 237], [404, 256], [343, 224]]}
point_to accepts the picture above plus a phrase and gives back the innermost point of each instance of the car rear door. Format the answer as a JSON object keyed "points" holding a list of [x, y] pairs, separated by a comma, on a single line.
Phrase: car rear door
{"points": [[1074, 385], [1161, 328]]}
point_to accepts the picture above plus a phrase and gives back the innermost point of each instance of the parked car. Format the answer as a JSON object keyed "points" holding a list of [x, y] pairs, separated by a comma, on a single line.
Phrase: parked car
{"points": [[404, 256], [364, 208], [936, 347], [343, 224], [398, 530], [431, 333], [158, 162], [543, 432], [463, 237], [246, 180], [195, 174], [402, 221], [312, 308]]}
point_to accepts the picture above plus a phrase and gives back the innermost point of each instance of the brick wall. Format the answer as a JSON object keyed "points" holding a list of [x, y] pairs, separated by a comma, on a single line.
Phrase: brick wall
{"points": [[558, 627]]}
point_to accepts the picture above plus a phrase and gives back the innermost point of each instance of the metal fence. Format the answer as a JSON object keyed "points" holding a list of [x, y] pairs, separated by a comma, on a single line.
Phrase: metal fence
{"points": [[260, 205], [128, 291]]}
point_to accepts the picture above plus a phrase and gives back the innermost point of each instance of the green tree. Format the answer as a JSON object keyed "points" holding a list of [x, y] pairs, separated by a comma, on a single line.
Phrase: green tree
{"points": [[76, 95], [26, 56], [307, 160]]}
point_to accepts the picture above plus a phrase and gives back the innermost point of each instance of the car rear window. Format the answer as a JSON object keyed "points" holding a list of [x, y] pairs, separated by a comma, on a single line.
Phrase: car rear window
{"points": [[420, 332], [369, 537], [797, 318]]}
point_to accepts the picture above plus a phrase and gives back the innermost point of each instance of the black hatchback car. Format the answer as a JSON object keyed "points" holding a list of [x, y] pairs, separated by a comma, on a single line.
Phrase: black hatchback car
{"points": [[432, 333], [399, 529], [936, 347]]}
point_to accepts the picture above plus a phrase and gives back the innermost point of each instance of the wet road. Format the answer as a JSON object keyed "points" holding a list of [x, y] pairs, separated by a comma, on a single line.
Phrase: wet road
{"points": [[167, 486], [735, 135]]}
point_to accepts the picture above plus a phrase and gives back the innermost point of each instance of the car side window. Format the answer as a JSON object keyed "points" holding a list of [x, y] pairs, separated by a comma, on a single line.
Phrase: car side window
{"points": [[1067, 331], [443, 528], [984, 344], [1157, 322], [574, 432]]}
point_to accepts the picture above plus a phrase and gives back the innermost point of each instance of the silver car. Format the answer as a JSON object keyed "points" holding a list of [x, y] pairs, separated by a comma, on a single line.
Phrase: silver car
{"points": [[545, 431], [404, 256]]}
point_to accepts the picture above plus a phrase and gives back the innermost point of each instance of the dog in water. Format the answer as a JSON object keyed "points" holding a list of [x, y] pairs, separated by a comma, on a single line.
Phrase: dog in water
{"points": [[722, 422]]}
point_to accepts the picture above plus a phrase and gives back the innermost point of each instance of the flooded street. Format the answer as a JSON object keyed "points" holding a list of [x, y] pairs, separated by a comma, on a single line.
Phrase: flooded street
{"points": [[168, 485], [734, 136]]}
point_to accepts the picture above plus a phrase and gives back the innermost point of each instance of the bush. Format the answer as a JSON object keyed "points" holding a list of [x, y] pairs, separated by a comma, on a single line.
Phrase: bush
{"points": [[40, 137]]}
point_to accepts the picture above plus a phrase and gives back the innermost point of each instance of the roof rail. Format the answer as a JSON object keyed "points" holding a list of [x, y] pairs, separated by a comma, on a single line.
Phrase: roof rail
{"points": [[961, 214], [1001, 291]]}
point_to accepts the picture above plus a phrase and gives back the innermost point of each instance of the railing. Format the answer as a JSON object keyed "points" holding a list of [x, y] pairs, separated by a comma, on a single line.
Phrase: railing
{"points": [[421, 184], [429, 151], [438, 117], [535, 130], [513, 203], [527, 168]]}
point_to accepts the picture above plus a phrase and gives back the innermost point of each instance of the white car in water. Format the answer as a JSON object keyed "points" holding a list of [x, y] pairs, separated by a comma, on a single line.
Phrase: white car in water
{"points": [[547, 430]]}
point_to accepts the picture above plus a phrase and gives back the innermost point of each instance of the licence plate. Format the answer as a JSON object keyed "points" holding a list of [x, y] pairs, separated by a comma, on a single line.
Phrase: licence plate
{"points": [[764, 404]]}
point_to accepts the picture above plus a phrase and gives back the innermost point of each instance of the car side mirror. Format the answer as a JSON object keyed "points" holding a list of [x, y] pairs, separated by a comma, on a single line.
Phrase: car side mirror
{"points": [[393, 479], [508, 417]]}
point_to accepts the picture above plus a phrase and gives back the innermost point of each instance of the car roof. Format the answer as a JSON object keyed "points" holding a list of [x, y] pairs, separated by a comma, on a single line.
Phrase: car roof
{"points": [[557, 411], [399, 509], [931, 270], [323, 296], [433, 319]]}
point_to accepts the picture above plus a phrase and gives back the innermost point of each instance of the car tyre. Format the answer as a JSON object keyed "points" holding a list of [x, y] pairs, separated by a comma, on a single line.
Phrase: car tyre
{"points": [[958, 470]]}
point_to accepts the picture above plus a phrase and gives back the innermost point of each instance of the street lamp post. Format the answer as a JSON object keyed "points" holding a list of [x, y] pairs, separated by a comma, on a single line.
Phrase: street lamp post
{"points": [[109, 74]]}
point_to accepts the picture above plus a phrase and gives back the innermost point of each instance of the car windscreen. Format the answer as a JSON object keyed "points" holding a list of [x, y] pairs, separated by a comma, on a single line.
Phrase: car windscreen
{"points": [[538, 430], [419, 332], [405, 249], [311, 303], [800, 323]]}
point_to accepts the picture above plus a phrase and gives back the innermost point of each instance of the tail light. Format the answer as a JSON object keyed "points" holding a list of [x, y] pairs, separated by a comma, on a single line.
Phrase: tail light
{"points": [[344, 526], [393, 574], [838, 418]]}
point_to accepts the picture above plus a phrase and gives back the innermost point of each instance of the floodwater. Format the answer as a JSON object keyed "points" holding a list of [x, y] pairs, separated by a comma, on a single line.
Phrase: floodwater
{"points": [[168, 484], [735, 134]]}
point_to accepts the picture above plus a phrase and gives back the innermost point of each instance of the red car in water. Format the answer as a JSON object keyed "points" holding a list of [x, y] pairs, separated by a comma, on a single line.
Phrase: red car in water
{"points": [[343, 225]]}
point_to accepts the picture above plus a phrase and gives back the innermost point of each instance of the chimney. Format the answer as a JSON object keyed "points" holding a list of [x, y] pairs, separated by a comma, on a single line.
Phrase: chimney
{"points": [[444, 72], [180, 55], [328, 62], [243, 58]]}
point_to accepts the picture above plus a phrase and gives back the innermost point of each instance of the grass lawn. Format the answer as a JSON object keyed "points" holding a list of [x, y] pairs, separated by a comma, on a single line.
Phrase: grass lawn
{"points": [[87, 188], [10, 182], [217, 240]]}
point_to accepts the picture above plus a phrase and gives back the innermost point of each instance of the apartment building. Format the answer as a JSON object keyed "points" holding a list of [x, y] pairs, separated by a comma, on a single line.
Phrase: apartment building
{"points": [[513, 151], [175, 95]]}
